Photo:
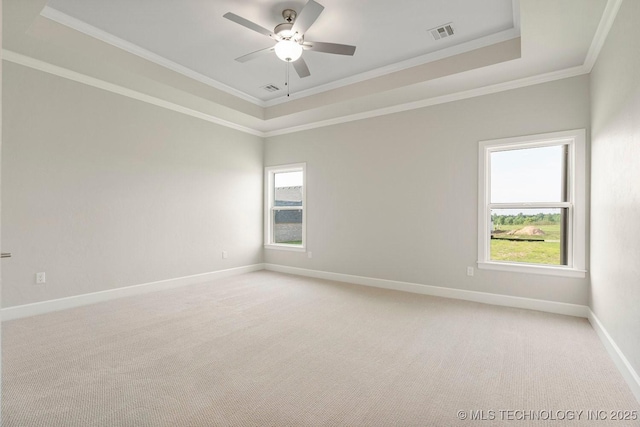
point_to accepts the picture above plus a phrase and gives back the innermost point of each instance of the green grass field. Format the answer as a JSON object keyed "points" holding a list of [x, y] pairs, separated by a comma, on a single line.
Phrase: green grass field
{"points": [[544, 251]]}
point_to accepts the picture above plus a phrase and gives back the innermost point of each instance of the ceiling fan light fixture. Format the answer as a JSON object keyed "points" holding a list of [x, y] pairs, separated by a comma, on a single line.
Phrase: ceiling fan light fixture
{"points": [[288, 50], [290, 38]]}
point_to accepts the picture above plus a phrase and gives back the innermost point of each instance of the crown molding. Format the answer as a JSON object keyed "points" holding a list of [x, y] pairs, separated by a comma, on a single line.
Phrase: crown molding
{"points": [[130, 93], [36, 64], [486, 90], [606, 22], [609, 14], [81, 26]]}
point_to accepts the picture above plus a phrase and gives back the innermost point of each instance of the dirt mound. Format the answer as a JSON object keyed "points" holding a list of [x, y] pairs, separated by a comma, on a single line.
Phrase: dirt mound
{"points": [[529, 230]]}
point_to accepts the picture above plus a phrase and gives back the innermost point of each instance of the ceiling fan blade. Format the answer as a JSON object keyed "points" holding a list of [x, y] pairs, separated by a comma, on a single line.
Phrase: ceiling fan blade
{"points": [[339, 49], [301, 68], [254, 55], [307, 17], [250, 25]]}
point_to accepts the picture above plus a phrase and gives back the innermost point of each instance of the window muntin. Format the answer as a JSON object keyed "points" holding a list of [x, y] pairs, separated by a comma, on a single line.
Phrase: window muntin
{"points": [[531, 208], [284, 211]]}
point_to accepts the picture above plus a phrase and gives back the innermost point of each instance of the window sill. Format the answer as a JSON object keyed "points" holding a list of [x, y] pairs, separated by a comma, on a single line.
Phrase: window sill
{"points": [[533, 269], [291, 248]]}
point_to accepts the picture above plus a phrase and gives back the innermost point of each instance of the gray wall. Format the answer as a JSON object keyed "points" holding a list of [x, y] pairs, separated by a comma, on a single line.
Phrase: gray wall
{"points": [[102, 191], [615, 200], [424, 164]]}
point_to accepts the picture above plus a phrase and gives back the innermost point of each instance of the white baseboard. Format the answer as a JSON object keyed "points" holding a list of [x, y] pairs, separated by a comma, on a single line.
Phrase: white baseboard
{"points": [[625, 368], [26, 310], [482, 297], [20, 311]]}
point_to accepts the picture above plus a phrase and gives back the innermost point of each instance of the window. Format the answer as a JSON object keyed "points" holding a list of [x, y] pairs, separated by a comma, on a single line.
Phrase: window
{"points": [[285, 217], [531, 214]]}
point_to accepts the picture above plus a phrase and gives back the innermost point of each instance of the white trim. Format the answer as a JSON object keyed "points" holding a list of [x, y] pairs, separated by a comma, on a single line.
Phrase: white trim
{"points": [[622, 363], [81, 26], [576, 234], [403, 65], [545, 270], [481, 297], [20, 311], [606, 22], [289, 248], [36, 64], [458, 96]]}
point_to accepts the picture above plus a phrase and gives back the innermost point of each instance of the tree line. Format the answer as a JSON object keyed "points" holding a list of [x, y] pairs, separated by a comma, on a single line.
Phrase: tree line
{"points": [[522, 219]]}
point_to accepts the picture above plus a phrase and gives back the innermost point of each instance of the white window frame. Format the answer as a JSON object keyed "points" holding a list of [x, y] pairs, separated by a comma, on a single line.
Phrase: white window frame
{"points": [[576, 203], [269, 206]]}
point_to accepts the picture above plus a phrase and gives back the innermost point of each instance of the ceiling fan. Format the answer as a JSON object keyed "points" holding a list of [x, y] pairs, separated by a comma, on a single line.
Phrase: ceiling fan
{"points": [[290, 37]]}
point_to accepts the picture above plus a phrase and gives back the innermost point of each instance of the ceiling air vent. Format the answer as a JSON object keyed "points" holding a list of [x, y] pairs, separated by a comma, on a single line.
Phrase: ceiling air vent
{"points": [[271, 88], [442, 31]]}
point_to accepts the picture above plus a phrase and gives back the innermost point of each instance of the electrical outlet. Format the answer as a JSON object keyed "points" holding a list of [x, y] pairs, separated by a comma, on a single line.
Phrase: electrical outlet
{"points": [[309, 254], [225, 255], [469, 271], [40, 278]]}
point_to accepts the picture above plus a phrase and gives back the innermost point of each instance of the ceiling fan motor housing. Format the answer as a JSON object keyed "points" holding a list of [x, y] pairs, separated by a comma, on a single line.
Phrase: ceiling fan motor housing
{"points": [[284, 31]]}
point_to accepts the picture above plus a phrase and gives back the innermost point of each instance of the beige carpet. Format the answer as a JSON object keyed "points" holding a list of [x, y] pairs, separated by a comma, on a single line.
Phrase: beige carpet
{"points": [[271, 349]]}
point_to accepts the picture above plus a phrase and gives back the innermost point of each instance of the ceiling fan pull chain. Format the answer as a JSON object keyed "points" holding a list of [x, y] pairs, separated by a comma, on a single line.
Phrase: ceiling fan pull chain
{"points": [[287, 83]]}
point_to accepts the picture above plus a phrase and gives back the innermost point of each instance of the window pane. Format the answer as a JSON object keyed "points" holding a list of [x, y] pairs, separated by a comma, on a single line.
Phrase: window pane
{"points": [[288, 189], [528, 175], [535, 236], [287, 227], [288, 179]]}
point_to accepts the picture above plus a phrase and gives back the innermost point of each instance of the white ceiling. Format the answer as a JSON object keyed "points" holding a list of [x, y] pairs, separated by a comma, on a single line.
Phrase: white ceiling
{"points": [[194, 35], [179, 54]]}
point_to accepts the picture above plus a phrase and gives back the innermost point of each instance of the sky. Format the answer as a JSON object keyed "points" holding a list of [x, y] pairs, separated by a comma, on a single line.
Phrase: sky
{"points": [[527, 175], [288, 179]]}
